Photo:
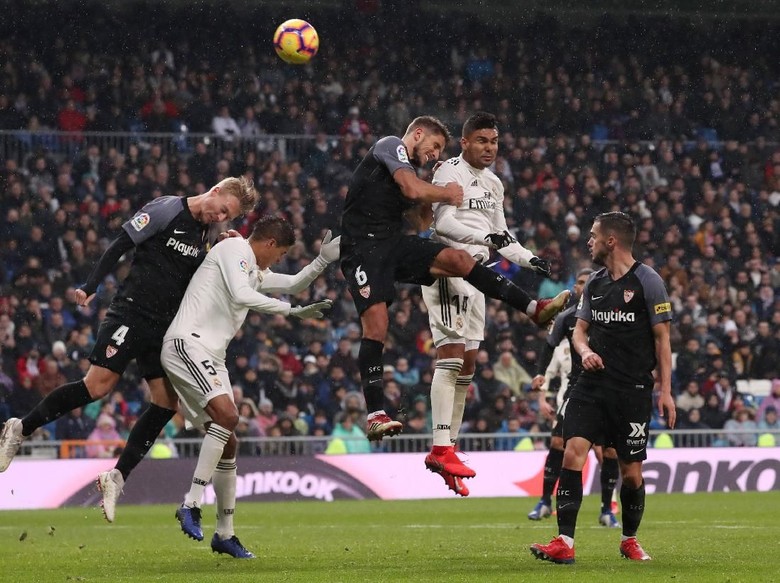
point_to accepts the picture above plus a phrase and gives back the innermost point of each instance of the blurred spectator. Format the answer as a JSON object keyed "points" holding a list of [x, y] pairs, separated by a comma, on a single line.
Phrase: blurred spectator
{"points": [[742, 422], [106, 437]]}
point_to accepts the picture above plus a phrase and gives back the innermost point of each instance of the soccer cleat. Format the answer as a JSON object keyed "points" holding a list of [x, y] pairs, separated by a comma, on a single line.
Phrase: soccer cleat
{"points": [[541, 510], [110, 484], [448, 462], [455, 483], [555, 552], [547, 309], [231, 546], [608, 519], [189, 518], [379, 425], [10, 440], [630, 549]]}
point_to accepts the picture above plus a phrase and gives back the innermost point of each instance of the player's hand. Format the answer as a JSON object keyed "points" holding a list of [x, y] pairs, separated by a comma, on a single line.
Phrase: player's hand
{"points": [[453, 194], [667, 408], [311, 310], [540, 265], [228, 235], [592, 361], [537, 382], [330, 247], [499, 240], [82, 299], [546, 409]]}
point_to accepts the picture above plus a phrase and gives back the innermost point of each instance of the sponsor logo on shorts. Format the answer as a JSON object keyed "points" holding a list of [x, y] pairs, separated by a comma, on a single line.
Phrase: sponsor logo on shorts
{"points": [[365, 291], [663, 308], [403, 155], [110, 351], [628, 295], [217, 383], [139, 221]]}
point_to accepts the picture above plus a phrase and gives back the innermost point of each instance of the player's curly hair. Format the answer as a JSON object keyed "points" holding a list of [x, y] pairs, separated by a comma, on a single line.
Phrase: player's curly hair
{"points": [[482, 120], [243, 189]]}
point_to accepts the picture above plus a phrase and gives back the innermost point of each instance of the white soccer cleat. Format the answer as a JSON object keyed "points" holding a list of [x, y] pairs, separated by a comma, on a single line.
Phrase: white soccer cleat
{"points": [[10, 440], [110, 483]]}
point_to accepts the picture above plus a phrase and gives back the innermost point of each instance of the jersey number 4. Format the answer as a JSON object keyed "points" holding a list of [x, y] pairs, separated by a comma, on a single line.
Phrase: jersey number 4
{"points": [[119, 335]]}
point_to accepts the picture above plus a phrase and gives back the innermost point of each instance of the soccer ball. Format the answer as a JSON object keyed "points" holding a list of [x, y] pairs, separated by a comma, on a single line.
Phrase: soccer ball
{"points": [[296, 41]]}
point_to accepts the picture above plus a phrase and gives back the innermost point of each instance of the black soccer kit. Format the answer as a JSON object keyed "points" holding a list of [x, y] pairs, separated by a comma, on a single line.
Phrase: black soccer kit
{"points": [[170, 244], [374, 251], [616, 403]]}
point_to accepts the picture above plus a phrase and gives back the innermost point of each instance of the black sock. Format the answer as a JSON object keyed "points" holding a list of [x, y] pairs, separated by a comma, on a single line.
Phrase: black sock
{"points": [[633, 507], [552, 469], [61, 400], [371, 371], [142, 437], [495, 285], [568, 500], [609, 478]]}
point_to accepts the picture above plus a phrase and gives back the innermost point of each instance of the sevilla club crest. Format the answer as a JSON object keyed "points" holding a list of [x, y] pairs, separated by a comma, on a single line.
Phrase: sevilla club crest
{"points": [[365, 291], [628, 294], [110, 351]]}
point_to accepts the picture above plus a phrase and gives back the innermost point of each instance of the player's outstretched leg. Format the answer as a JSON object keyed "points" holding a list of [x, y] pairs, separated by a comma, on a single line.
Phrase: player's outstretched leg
{"points": [[231, 546], [110, 484], [10, 441], [546, 309]]}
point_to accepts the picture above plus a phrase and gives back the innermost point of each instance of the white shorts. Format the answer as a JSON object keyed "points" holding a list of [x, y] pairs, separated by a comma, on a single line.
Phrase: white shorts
{"points": [[456, 312], [195, 377]]}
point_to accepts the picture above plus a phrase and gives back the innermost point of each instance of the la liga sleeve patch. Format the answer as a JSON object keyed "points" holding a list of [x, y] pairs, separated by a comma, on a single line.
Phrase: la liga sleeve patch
{"points": [[403, 156], [139, 221]]}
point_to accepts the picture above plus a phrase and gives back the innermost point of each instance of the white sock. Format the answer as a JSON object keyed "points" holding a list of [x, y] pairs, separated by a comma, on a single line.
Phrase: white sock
{"points": [[210, 453], [443, 398], [567, 539], [224, 481], [531, 308], [459, 404]]}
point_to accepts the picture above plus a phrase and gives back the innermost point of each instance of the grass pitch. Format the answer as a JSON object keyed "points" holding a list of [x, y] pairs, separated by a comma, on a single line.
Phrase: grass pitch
{"points": [[703, 537]]}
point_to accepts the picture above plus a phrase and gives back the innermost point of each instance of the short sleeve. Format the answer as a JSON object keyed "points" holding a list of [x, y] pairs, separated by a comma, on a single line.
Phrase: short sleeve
{"points": [[391, 152], [152, 218], [656, 297]]}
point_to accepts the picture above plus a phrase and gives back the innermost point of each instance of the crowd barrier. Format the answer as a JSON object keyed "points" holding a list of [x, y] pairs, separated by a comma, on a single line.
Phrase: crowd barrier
{"points": [[30, 483]]}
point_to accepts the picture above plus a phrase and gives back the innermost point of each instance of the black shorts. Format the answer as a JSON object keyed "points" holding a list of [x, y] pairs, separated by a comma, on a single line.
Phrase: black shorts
{"points": [[372, 267], [612, 416], [557, 430], [122, 338]]}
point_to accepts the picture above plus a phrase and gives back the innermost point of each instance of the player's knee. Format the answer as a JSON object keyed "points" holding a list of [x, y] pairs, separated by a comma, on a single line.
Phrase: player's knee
{"points": [[227, 419], [460, 262]]}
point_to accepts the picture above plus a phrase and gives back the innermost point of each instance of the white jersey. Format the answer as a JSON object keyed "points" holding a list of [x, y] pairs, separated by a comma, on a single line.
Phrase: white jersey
{"points": [[560, 366], [225, 287], [481, 213]]}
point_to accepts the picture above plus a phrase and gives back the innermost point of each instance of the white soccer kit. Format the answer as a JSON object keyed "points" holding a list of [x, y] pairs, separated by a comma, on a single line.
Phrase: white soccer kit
{"points": [[224, 288], [456, 309]]}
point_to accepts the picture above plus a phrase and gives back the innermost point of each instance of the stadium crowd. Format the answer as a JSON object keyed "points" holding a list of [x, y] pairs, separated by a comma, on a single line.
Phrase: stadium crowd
{"points": [[682, 135]]}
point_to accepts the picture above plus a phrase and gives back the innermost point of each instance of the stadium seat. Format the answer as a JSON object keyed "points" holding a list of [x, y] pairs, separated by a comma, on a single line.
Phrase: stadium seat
{"points": [[760, 387], [525, 444], [766, 440], [663, 441]]}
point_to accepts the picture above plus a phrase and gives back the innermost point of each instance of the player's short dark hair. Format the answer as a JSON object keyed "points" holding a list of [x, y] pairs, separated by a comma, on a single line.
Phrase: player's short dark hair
{"points": [[430, 124], [584, 271], [274, 228], [482, 120], [620, 224]]}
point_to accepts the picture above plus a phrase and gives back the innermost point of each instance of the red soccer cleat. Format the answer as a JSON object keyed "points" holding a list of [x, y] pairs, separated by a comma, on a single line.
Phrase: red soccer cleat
{"points": [[455, 483], [630, 549], [555, 552], [379, 425], [547, 309], [443, 459]]}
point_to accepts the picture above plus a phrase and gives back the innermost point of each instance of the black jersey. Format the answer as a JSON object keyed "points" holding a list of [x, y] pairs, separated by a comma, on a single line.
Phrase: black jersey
{"points": [[563, 327], [621, 314], [170, 244], [375, 205]]}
